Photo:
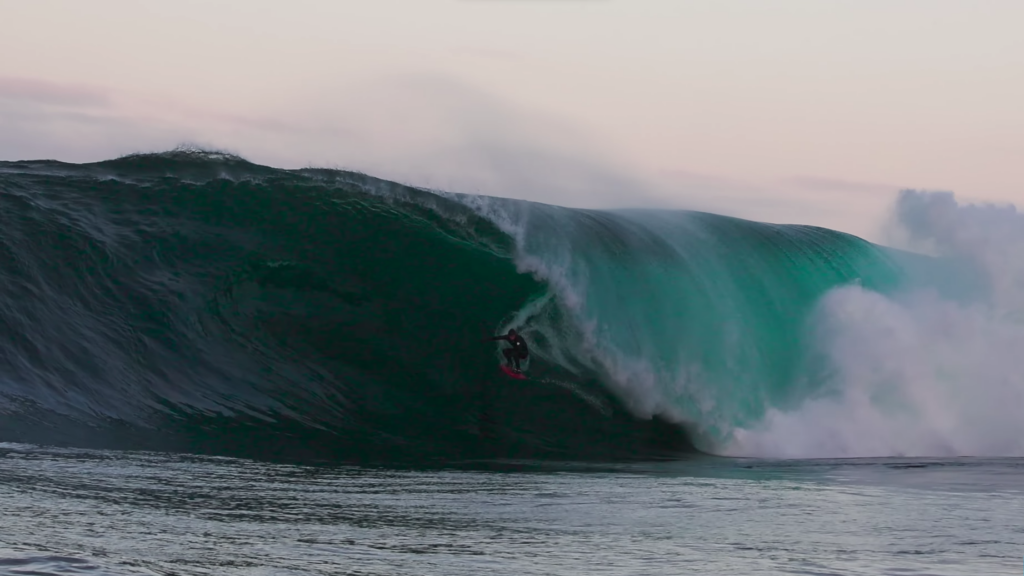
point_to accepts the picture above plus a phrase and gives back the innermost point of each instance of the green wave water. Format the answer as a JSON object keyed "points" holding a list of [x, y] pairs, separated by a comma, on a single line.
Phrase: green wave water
{"points": [[696, 317], [195, 301]]}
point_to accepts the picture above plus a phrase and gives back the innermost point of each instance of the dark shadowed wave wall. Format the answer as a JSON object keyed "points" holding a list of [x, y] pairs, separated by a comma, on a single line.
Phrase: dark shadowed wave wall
{"points": [[195, 301]]}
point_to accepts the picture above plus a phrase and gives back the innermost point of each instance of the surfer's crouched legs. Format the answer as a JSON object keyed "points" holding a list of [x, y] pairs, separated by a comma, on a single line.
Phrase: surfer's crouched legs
{"points": [[509, 357], [512, 358]]}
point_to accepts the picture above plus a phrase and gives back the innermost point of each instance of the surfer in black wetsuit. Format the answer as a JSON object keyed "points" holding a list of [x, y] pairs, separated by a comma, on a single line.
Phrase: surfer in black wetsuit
{"points": [[518, 351]]}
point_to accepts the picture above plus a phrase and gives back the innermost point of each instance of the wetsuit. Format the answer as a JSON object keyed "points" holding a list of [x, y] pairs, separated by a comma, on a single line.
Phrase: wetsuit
{"points": [[518, 351]]}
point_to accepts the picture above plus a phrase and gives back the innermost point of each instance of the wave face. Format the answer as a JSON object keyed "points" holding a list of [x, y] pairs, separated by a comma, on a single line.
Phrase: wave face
{"points": [[195, 301]]}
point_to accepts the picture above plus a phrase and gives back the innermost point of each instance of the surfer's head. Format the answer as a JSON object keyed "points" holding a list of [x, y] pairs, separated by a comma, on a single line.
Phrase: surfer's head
{"points": [[511, 331]]}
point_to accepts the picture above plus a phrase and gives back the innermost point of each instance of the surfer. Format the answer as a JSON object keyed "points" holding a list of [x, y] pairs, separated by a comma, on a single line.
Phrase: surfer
{"points": [[518, 351]]}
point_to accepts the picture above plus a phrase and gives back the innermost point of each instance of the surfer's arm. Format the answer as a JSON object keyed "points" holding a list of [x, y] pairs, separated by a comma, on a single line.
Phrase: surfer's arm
{"points": [[494, 338]]}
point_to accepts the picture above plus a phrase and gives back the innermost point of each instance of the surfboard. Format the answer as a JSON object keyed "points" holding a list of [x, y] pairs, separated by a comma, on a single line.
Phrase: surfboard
{"points": [[512, 373]]}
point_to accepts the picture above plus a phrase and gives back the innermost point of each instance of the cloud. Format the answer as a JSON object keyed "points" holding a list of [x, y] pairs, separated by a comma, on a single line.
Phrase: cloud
{"points": [[30, 131], [52, 93], [487, 53], [79, 123], [818, 184]]}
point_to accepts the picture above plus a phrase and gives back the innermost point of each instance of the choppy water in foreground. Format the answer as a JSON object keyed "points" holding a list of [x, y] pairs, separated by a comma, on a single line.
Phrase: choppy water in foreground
{"points": [[104, 512]]}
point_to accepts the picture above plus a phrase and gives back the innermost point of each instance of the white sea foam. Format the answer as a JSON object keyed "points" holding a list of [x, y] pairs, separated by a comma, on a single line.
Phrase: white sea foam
{"points": [[915, 374]]}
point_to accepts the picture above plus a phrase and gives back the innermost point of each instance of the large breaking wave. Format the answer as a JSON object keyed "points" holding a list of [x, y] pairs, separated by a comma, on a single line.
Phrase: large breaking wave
{"points": [[195, 301]]}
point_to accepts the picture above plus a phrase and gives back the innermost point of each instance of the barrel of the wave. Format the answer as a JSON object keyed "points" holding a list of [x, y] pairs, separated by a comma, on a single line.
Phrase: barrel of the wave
{"points": [[695, 317]]}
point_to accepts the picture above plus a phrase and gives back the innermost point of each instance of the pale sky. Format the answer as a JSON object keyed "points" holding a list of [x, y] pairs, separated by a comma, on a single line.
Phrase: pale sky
{"points": [[805, 111]]}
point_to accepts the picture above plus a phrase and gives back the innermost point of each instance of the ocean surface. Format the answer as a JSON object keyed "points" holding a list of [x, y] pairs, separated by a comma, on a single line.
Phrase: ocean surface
{"points": [[209, 366], [103, 512]]}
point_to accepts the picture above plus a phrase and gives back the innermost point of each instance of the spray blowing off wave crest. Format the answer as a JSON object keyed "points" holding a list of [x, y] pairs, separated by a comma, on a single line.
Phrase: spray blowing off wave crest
{"points": [[917, 372]]}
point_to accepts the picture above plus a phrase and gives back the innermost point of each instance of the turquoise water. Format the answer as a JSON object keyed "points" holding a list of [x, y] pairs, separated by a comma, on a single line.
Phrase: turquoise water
{"points": [[195, 301], [96, 512]]}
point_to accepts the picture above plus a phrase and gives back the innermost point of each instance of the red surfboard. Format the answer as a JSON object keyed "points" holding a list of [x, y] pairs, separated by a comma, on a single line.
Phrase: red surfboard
{"points": [[512, 373]]}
